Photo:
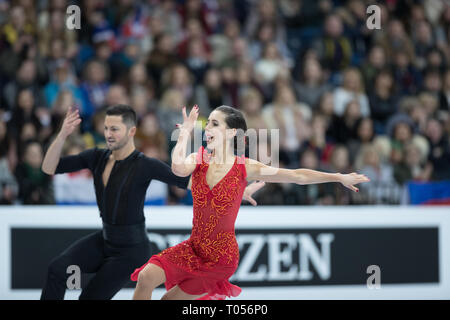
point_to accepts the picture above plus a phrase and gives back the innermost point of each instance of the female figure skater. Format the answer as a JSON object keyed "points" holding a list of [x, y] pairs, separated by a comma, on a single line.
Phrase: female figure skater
{"points": [[201, 266]]}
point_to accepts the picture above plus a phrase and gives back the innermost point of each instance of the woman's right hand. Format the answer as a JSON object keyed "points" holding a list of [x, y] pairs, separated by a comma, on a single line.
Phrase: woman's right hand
{"points": [[189, 122], [71, 121]]}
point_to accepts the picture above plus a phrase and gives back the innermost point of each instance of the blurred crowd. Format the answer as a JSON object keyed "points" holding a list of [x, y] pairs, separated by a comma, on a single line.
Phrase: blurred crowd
{"points": [[345, 98]]}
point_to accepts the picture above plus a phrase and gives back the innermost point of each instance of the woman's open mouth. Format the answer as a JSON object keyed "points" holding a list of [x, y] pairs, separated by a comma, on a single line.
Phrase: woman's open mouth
{"points": [[209, 138]]}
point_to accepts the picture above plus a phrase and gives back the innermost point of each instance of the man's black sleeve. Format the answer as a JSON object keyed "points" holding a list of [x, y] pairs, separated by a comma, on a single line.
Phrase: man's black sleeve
{"points": [[156, 169], [83, 160]]}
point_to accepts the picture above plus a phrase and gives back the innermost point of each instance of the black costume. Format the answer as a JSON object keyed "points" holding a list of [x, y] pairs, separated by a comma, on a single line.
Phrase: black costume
{"points": [[122, 245]]}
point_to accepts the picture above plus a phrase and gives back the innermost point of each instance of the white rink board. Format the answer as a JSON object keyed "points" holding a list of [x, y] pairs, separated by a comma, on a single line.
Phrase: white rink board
{"points": [[174, 217]]}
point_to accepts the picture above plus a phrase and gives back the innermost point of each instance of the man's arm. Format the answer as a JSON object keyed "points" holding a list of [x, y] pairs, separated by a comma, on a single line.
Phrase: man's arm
{"points": [[53, 153]]}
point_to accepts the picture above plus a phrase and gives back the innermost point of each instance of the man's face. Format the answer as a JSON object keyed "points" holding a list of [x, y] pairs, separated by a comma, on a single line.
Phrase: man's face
{"points": [[117, 134]]}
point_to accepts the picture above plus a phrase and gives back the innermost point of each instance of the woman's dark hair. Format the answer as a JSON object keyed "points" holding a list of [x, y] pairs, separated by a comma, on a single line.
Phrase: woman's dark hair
{"points": [[235, 120], [129, 117]]}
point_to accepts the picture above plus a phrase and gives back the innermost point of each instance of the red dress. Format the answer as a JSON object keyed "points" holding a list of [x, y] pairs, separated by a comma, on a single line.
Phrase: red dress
{"points": [[205, 262]]}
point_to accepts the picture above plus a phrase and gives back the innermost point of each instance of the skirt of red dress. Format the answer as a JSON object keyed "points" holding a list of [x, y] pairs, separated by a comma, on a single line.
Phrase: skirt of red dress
{"points": [[212, 281]]}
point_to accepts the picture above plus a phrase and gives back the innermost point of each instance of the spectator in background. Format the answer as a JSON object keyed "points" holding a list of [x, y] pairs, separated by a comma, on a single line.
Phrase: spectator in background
{"points": [[222, 43], [138, 78], [8, 184], [35, 187], [396, 39], [26, 78], [75, 187], [198, 10], [251, 103], [383, 100], [94, 87], [432, 82], [149, 136], [16, 36], [413, 166], [333, 48], [211, 93], [444, 97], [194, 31], [352, 89], [291, 118], [407, 78], [342, 129], [429, 103], [266, 34], [51, 28], [96, 137], [169, 112], [381, 186], [264, 13], [439, 156], [401, 129], [312, 83], [23, 112], [197, 60], [269, 66], [179, 78], [161, 57], [117, 94], [364, 135], [140, 101], [376, 62], [317, 140], [354, 17], [64, 79], [325, 107], [339, 160], [423, 40]]}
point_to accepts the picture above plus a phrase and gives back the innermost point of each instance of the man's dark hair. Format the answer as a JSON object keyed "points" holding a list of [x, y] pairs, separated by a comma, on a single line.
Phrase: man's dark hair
{"points": [[129, 117]]}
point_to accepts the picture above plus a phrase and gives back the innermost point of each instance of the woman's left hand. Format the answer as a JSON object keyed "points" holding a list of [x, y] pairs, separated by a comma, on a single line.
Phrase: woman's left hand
{"points": [[349, 180]]}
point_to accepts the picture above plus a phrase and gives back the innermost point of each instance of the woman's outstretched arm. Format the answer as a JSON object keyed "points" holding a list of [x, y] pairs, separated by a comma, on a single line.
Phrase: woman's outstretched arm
{"points": [[259, 171]]}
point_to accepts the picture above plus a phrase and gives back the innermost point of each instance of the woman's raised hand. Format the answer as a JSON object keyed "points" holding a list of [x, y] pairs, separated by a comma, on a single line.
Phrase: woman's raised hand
{"points": [[189, 121]]}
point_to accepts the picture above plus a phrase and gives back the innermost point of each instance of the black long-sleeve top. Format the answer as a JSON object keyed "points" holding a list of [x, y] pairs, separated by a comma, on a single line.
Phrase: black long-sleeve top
{"points": [[121, 202]]}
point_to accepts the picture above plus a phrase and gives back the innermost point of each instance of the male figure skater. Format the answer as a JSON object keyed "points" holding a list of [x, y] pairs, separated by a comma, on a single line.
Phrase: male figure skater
{"points": [[121, 178]]}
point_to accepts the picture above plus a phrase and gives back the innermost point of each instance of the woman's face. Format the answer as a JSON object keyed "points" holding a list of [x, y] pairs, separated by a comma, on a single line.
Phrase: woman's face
{"points": [[412, 155], [384, 80], [377, 57], [327, 104], [309, 160], [26, 100], [312, 70], [149, 125], [33, 155], [402, 132], [352, 81], [252, 104], [213, 79], [217, 132], [353, 110], [138, 73], [365, 130], [2, 129], [285, 96], [340, 159]]}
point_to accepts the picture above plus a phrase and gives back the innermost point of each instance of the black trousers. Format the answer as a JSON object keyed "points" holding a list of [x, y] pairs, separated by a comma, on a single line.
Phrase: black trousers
{"points": [[112, 264]]}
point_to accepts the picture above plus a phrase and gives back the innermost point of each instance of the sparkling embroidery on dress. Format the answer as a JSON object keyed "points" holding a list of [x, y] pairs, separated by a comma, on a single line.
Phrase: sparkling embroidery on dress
{"points": [[210, 242]]}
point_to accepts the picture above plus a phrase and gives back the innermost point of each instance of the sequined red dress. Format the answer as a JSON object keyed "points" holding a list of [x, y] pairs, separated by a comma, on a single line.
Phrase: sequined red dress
{"points": [[205, 262]]}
